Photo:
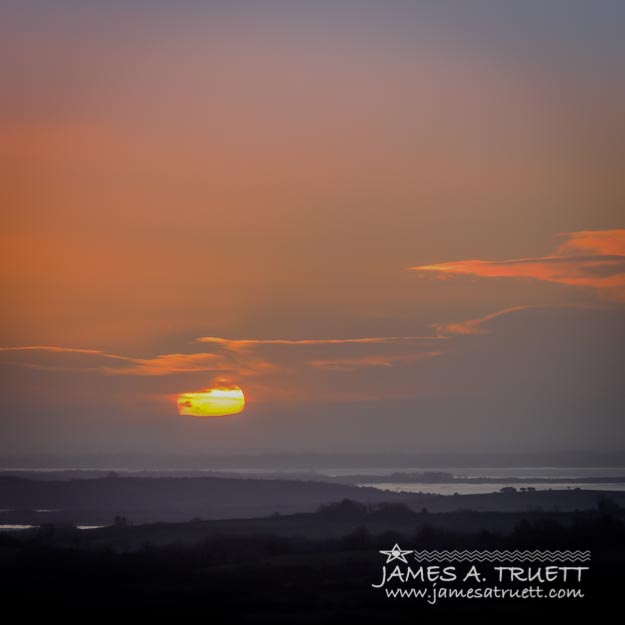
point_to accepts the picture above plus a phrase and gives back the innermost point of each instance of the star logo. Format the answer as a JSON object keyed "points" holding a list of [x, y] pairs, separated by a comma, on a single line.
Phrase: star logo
{"points": [[396, 553]]}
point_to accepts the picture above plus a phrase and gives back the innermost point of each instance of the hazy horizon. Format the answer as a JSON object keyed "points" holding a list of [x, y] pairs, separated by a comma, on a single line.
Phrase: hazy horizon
{"points": [[312, 461]]}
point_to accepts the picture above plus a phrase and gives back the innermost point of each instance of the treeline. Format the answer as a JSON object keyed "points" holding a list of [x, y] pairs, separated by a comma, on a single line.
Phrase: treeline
{"points": [[603, 531]]}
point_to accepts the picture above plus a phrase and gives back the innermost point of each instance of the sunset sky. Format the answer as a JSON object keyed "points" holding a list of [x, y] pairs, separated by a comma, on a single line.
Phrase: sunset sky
{"points": [[396, 226]]}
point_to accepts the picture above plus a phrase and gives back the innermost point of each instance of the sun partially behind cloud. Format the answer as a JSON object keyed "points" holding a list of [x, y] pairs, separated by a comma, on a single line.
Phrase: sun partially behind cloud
{"points": [[220, 400]]}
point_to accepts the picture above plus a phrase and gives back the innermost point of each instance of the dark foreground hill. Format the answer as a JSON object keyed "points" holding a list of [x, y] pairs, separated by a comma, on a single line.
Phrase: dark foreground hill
{"points": [[322, 569], [143, 500]]}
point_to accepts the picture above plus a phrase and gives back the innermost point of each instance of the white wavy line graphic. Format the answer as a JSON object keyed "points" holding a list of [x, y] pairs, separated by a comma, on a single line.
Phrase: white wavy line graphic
{"points": [[505, 555]]}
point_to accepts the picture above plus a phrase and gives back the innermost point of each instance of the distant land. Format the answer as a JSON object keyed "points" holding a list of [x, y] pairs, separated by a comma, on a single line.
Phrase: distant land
{"points": [[145, 499], [356, 479]]}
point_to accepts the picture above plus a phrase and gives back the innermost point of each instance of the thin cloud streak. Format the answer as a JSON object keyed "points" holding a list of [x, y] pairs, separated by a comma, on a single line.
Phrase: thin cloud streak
{"points": [[164, 364], [63, 350], [353, 364], [244, 342], [476, 326], [238, 357]]}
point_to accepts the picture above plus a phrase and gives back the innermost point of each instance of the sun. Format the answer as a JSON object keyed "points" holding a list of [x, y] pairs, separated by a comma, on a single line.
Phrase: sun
{"points": [[219, 400]]}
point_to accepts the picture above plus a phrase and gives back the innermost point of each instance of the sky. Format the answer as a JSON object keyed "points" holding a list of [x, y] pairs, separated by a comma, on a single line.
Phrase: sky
{"points": [[395, 226]]}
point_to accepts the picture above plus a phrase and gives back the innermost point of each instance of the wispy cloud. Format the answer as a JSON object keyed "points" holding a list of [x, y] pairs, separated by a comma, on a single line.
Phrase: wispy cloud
{"points": [[232, 357], [73, 359], [61, 350], [475, 326], [590, 258], [479, 324], [233, 343], [353, 364]]}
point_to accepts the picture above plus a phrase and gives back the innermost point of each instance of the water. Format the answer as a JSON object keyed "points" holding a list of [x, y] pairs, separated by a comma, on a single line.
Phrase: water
{"points": [[489, 472], [491, 487], [15, 527], [500, 475]]}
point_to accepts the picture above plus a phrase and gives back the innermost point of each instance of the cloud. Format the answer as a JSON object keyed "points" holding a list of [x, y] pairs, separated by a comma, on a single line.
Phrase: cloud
{"points": [[60, 350], [234, 343], [590, 258], [167, 364], [475, 326], [247, 347], [72, 359], [236, 357], [353, 364], [607, 242]]}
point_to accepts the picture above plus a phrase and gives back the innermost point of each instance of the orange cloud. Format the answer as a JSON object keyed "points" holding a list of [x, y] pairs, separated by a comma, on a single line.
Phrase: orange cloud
{"points": [[61, 350], [232, 356], [124, 365], [234, 343], [353, 364], [606, 242], [171, 363], [593, 259], [474, 326]]}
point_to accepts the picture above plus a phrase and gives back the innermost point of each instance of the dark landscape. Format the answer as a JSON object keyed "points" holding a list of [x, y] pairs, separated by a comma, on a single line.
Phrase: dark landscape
{"points": [[315, 566], [227, 548]]}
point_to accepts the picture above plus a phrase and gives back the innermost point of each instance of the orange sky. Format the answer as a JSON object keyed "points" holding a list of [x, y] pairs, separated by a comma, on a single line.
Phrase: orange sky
{"points": [[288, 182]]}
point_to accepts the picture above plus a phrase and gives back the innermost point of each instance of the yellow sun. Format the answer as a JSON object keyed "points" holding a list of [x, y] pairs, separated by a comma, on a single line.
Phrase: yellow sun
{"points": [[217, 401]]}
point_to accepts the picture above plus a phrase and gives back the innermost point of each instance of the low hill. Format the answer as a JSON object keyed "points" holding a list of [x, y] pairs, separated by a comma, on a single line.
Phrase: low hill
{"points": [[144, 500]]}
